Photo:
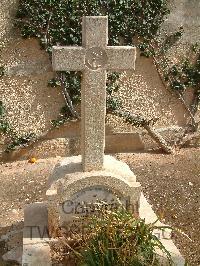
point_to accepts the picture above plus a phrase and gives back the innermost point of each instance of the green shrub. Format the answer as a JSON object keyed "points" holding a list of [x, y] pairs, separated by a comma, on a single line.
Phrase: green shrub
{"points": [[22, 141], [118, 239], [58, 22]]}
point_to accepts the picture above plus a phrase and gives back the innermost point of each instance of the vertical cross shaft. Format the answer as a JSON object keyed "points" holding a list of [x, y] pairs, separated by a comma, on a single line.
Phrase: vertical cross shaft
{"points": [[93, 96], [94, 58]]}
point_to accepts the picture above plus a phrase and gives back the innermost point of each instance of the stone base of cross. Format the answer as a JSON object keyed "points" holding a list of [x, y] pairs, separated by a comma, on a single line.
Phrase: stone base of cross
{"points": [[93, 59]]}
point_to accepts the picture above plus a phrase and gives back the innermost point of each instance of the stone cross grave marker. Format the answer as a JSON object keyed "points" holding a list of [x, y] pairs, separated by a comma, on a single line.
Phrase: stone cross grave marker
{"points": [[93, 59]]}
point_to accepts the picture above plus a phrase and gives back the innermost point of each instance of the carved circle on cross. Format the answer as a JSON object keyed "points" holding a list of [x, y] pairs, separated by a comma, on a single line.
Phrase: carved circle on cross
{"points": [[95, 58]]}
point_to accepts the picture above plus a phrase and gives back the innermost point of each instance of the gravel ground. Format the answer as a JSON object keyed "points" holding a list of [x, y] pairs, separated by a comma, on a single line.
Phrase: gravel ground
{"points": [[21, 183], [171, 184]]}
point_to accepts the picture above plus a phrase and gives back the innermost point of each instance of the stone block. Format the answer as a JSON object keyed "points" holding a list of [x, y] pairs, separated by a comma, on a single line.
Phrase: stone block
{"points": [[146, 212], [36, 249], [35, 221], [94, 58], [74, 194]]}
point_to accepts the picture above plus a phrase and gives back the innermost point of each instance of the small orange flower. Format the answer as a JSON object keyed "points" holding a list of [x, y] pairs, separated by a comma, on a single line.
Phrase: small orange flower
{"points": [[32, 160]]}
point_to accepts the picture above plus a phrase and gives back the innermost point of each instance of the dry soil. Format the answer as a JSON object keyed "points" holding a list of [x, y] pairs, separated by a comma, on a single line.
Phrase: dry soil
{"points": [[171, 184]]}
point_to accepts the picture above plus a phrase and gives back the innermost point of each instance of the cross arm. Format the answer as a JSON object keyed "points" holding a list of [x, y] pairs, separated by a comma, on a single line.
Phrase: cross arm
{"points": [[121, 58], [69, 58]]}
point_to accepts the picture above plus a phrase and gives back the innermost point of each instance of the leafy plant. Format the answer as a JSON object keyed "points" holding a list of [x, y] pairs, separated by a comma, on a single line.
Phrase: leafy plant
{"points": [[22, 141], [186, 74], [53, 83], [4, 126], [58, 22], [195, 47], [171, 40], [181, 76], [118, 238], [6, 129], [63, 117], [112, 104]]}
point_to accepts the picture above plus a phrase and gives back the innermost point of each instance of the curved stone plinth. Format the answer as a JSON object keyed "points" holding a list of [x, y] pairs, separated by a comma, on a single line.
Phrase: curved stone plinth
{"points": [[73, 193]]}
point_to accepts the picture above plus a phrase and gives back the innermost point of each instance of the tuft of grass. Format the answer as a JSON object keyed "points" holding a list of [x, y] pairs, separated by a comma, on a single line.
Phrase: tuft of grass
{"points": [[118, 239]]}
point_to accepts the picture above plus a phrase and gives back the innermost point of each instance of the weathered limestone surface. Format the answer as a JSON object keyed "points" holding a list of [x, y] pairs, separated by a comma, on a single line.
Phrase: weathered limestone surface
{"points": [[78, 184], [142, 93], [68, 183], [36, 250], [146, 212], [8, 9], [94, 58], [24, 90], [14, 254], [185, 13]]}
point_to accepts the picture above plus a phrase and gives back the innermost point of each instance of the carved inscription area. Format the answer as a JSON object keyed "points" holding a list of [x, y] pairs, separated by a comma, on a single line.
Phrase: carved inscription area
{"points": [[95, 58], [91, 200]]}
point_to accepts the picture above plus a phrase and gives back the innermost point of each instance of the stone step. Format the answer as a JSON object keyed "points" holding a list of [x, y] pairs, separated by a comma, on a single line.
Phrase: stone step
{"points": [[36, 250]]}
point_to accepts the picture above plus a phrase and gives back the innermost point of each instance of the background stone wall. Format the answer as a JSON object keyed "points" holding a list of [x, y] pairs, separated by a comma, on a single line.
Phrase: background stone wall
{"points": [[185, 13], [7, 12], [31, 105]]}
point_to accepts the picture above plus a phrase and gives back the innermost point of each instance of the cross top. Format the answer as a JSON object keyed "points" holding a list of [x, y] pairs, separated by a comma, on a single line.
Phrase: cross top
{"points": [[94, 58]]}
